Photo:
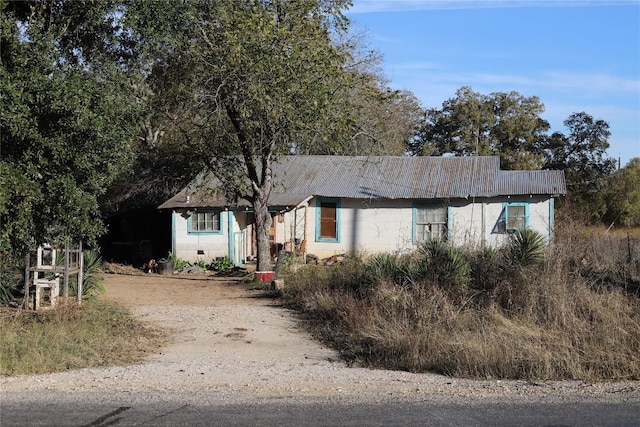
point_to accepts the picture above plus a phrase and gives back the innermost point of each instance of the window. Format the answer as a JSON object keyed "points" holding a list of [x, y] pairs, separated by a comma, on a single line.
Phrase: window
{"points": [[515, 217], [430, 222], [328, 220], [204, 222]]}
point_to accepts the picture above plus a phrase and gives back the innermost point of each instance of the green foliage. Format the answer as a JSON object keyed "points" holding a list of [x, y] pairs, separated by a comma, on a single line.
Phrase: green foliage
{"points": [[582, 155], [501, 124], [92, 276], [526, 247], [222, 264], [386, 267], [200, 263], [444, 265], [489, 269], [242, 81], [623, 196], [178, 263], [68, 119]]}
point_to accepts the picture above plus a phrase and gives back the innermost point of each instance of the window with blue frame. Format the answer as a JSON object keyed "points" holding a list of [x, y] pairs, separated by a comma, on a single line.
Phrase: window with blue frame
{"points": [[204, 222], [515, 216], [328, 220]]}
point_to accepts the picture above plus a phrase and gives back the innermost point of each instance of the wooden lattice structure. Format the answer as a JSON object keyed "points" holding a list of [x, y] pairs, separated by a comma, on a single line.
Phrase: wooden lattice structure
{"points": [[43, 271]]}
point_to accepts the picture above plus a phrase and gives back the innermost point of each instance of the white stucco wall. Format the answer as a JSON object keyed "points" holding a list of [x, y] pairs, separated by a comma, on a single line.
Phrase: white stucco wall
{"points": [[367, 226], [373, 226], [186, 245], [474, 222]]}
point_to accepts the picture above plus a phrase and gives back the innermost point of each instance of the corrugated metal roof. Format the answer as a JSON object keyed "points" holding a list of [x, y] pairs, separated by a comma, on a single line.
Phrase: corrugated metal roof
{"points": [[531, 182], [378, 177], [388, 177]]}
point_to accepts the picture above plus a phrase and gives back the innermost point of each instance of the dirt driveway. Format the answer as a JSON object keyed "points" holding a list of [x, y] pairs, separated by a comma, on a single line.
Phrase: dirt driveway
{"points": [[229, 342]]}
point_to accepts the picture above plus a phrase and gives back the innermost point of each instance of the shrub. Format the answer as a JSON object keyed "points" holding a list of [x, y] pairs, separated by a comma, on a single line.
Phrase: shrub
{"points": [[488, 269], [222, 264], [200, 263], [11, 277], [386, 267], [554, 319], [445, 266]]}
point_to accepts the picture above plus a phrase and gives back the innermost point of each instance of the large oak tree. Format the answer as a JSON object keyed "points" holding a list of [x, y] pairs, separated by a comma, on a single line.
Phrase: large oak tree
{"points": [[500, 124], [582, 155], [66, 123], [256, 79]]}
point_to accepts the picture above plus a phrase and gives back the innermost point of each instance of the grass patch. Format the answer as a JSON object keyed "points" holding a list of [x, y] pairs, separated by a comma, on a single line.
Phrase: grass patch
{"points": [[573, 313], [98, 333]]}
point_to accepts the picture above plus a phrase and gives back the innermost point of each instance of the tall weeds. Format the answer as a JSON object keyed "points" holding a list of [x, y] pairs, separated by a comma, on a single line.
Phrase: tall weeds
{"points": [[98, 333], [491, 313]]}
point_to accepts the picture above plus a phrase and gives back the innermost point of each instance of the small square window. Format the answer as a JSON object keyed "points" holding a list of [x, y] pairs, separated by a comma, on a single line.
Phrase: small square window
{"points": [[430, 222], [515, 217], [204, 222]]}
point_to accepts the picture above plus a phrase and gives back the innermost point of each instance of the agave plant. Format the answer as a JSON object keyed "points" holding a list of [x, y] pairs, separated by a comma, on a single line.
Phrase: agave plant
{"points": [[526, 247]]}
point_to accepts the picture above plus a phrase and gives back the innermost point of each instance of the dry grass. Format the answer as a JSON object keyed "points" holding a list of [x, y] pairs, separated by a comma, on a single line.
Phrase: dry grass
{"points": [[98, 333], [574, 316]]}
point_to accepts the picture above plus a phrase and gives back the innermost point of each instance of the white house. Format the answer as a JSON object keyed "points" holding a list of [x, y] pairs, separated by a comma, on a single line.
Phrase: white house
{"points": [[328, 205]]}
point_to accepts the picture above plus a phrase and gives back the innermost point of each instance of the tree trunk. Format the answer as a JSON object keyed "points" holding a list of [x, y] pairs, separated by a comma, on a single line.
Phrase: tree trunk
{"points": [[263, 223]]}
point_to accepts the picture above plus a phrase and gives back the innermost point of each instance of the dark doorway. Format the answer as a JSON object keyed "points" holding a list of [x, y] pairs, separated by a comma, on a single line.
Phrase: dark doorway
{"points": [[134, 237]]}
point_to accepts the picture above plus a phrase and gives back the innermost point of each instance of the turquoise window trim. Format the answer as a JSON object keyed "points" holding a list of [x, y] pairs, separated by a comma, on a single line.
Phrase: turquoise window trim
{"points": [[435, 203], [319, 202], [221, 219], [505, 209]]}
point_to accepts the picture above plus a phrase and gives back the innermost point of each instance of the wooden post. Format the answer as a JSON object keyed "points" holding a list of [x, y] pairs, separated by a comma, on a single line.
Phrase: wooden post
{"points": [[80, 272], [304, 233], [27, 276], [65, 288]]}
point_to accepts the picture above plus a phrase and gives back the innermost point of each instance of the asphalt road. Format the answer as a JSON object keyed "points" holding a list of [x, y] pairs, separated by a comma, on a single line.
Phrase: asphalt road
{"points": [[77, 409]]}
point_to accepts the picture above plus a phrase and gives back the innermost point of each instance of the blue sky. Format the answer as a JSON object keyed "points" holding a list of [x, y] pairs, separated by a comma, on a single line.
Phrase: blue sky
{"points": [[574, 55]]}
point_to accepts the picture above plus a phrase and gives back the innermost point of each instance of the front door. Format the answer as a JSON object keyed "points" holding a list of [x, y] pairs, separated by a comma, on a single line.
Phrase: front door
{"points": [[239, 248]]}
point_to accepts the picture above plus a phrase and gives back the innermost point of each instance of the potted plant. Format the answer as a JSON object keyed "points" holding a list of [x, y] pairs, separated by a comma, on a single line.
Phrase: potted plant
{"points": [[166, 265]]}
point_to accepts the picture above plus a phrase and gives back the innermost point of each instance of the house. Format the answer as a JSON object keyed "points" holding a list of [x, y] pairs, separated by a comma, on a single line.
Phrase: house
{"points": [[327, 205]]}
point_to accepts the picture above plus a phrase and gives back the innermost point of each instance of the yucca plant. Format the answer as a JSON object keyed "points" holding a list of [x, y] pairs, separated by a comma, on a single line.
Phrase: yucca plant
{"points": [[488, 268], [526, 247], [385, 267], [444, 265], [92, 276]]}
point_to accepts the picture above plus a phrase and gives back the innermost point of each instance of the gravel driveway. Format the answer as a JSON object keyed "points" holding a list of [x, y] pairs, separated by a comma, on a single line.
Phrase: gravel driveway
{"points": [[239, 344]]}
